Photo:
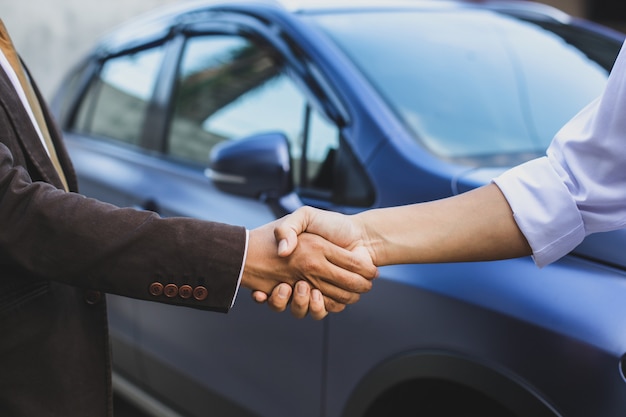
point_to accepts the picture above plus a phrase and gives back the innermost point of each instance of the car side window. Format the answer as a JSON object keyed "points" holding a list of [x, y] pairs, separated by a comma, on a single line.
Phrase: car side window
{"points": [[230, 87], [117, 101], [71, 86]]}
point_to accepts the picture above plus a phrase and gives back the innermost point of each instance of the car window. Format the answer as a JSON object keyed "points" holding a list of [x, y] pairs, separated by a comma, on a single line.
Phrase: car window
{"points": [[230, 87], [116, 103], [493, 92], [71, 87]]}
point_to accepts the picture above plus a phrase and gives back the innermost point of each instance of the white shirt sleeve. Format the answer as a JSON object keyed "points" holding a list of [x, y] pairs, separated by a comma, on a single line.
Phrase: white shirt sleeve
{"points": [[579, 187], [243, 263], [6, 66]]}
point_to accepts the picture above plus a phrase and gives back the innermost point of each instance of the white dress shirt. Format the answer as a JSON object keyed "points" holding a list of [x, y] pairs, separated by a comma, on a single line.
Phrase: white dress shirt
{"points": [[579, 187], [6, 66]]}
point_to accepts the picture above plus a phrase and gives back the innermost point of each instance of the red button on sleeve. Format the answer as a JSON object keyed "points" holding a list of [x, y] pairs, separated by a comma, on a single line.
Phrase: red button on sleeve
{"points": [[185, 291], [171, 290], [200, 293], [156, 289]]}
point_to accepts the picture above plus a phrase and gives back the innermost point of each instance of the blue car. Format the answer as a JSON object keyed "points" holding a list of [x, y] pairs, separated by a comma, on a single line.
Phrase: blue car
{"points": [[240, 112]]}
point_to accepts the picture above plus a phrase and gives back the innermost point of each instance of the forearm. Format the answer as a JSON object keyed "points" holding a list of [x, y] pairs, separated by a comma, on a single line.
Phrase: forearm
{"points": [[53, 235], [474, 226]]}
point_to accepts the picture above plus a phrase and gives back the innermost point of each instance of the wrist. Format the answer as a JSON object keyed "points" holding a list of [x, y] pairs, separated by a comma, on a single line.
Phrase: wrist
{"points": [[369, 238]]}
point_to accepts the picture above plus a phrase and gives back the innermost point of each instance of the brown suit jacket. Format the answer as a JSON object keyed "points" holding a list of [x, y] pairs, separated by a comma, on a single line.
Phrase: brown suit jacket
{"points": [[59, 252]]}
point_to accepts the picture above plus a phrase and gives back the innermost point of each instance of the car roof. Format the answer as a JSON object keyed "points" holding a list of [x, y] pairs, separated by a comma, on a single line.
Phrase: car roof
{"points": [[158, 23]]}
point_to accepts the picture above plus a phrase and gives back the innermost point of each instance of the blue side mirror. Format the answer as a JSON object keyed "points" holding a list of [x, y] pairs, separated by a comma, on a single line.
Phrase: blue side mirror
{"points": [[258, 166]]}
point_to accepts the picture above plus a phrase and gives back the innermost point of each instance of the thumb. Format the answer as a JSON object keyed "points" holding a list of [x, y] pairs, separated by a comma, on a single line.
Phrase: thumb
{"points": [[287, 230], [369, 269], [287, 245]]}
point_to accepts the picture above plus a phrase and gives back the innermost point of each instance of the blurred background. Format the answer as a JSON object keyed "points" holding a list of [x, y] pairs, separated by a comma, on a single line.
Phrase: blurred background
{"points": [[53, 35]]}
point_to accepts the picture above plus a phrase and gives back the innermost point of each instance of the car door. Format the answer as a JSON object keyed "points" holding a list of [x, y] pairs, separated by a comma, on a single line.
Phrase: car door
{"points": [[103, 129], [228, 87], [141, 136]]}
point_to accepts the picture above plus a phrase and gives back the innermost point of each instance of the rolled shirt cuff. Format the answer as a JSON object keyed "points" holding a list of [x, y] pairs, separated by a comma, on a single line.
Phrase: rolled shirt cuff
{"points": [[543, 209]]}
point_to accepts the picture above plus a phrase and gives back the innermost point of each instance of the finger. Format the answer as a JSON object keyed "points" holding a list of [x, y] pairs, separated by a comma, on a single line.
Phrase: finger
{"points": [[338, 295], [279, 298], [338, 284], [259, 296], [301, 299], [357, 260], [287, 241], [343, 280], [288, 228], [286, 246], [317, 309], [331, 305], [365, 265], [315, 265]]}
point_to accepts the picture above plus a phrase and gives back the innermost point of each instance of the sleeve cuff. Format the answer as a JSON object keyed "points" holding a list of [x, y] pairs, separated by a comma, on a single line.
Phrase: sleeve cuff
{"points": [[243, 262], [543, 209]]}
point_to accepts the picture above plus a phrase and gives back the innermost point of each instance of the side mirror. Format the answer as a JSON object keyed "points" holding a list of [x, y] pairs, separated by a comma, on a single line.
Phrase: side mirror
{"points": [[257, 166]]}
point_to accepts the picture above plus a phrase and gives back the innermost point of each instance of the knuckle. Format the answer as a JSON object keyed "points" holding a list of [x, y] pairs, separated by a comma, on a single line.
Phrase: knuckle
{"points": [[348, 298], [299, 302], [334, 307]]}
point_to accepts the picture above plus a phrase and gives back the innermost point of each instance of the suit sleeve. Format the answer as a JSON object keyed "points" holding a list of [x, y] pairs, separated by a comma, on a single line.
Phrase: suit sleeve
{"points": [[65, 237]]}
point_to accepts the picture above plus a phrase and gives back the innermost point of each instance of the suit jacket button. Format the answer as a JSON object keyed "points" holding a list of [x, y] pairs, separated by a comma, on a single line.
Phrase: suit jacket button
{"points": [[185, 291], [171, 290], [92, 297], [156, 289], [200, 293]]}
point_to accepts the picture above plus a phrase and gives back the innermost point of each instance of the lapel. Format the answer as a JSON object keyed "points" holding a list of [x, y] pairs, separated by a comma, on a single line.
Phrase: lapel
{"points": [[26, 134], [57, 139]]}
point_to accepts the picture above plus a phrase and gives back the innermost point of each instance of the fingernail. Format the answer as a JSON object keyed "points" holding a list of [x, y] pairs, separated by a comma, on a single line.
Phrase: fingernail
{"points": [[283, 291], [282, 246], [301, 287], [317, 296]]}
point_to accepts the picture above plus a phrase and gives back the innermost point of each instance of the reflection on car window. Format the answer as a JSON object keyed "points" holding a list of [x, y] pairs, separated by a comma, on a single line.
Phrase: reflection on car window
{"points": [[519, 83], [71, 87], [116, 104], [230, 88]]}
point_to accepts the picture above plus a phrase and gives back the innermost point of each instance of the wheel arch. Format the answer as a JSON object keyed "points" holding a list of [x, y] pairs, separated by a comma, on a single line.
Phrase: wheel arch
{"points": [[445, 367]]}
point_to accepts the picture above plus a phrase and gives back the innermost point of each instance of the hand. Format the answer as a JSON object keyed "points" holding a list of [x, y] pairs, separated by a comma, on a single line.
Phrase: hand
{"points": [[340, 274], [335, 227], [305, 299]]}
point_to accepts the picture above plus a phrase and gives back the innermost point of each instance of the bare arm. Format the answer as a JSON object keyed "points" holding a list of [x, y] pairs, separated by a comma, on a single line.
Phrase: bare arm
{"points": [[474, 226]]}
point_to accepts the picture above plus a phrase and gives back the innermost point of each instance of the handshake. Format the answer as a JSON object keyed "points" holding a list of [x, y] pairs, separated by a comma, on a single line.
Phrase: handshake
{"points": [[323, 262], [331, 258]]}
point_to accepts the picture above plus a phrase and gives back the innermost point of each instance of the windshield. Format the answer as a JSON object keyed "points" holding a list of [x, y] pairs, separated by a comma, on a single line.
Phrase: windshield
{"points": [[475, 86]]}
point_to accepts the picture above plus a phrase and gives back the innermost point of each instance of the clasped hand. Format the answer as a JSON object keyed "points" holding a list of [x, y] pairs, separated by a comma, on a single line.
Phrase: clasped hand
{"points": [[320, 254]]}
